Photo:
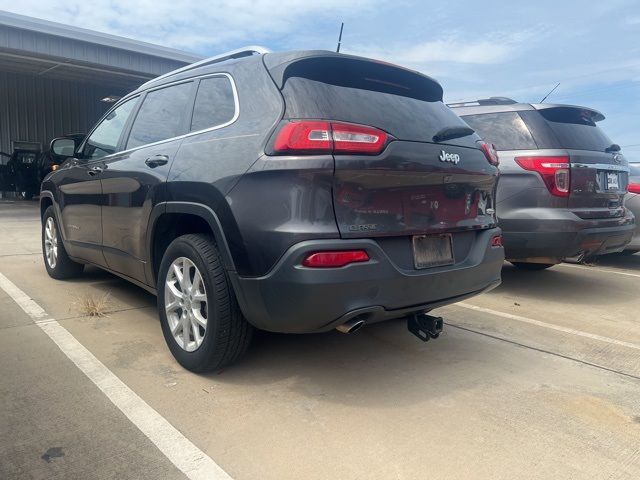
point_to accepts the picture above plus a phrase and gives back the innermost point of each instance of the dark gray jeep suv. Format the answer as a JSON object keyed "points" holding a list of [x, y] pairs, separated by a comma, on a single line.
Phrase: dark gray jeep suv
{"points": [[292, 192], [562, 180]]}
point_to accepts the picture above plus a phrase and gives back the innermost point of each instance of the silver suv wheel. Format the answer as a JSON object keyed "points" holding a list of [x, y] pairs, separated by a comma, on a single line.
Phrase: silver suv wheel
{"points": [[186, 304], [51, 243]]}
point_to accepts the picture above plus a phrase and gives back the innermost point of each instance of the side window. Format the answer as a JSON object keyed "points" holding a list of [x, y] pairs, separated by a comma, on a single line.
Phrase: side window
{"points": [[161, 116], [104, 139], [506, 130], [214, 105]]}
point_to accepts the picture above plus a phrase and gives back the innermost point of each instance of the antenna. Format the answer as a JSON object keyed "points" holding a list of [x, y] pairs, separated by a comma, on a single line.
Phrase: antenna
{"points": [[340, 38], [552, 90]]}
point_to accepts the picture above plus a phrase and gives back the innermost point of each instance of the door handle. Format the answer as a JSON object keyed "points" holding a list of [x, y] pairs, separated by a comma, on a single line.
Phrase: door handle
{"points": [[95, 170], [157, 160]]}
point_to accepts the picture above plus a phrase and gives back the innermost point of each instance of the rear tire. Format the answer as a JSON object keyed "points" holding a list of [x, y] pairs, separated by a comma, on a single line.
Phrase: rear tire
{"points": [[56, 260], [200, 317], [532, 266]]}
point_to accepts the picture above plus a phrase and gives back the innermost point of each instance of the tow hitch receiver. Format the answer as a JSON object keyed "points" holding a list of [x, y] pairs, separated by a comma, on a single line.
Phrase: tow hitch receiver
{"points": [[425, 326]]}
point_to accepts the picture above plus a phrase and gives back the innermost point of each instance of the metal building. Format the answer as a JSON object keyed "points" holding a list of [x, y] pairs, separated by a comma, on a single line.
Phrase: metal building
{"points": [[54, 77]]}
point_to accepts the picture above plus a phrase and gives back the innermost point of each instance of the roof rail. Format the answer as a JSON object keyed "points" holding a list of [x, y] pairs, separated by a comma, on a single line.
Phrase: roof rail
{"points": [[484, 101], [238, 53]]}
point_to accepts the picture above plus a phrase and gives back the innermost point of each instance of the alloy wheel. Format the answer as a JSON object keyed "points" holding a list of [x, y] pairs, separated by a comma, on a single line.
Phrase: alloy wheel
{"points": [[51, 242], [186, 304]]}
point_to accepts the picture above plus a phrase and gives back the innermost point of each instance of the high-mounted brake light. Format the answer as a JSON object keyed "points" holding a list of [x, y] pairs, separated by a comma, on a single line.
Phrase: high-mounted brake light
{"points": [[335, 259], [311, 136], [634, 188], [489, 150], [555, 172]]}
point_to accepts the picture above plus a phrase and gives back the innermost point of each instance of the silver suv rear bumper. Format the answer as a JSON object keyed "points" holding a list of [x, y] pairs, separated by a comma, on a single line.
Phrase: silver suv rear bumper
{"points": [[560, 234]]}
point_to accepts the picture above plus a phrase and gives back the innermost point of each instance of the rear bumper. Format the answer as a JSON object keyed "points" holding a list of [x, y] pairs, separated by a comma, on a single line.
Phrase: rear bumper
{"points": [[295, 299], [559, 234]]}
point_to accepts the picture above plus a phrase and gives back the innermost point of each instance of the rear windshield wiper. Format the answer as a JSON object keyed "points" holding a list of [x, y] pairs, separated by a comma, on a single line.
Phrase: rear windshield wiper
{"points": [[614, 147], [449, 133]]}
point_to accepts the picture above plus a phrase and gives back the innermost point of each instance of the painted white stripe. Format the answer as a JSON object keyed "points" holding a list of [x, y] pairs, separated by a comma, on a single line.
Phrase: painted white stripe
{"points": [[599, 269], [188, 458], [551, 326]]}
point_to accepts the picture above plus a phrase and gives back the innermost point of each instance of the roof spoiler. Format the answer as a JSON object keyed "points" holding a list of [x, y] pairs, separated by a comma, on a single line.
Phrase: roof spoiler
{"points": [[592, 113]]}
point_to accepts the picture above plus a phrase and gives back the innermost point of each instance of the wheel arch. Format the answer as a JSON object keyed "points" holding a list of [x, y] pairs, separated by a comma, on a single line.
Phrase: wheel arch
{"points": [[46, 201], [194, 218]]}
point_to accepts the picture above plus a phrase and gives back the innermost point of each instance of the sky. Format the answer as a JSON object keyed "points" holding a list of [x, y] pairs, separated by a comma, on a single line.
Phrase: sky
{"points": [[519, 49]]}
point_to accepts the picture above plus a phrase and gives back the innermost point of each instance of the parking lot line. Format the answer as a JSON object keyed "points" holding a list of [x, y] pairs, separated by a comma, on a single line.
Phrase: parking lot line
{"points": [[551, 326], [599, 269], [188, 458]]}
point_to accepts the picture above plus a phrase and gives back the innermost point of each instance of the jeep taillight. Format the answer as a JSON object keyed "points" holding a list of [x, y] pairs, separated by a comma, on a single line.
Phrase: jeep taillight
{"points": [[490, 152], [634, 188], [555, 172], [317, 137]]}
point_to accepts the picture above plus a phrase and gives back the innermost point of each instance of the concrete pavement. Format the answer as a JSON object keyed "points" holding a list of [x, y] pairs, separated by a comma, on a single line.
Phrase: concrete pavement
{"points": [[492, 398]]}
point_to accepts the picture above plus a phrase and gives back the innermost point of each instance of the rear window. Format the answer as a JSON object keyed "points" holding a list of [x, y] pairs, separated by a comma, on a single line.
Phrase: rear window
{"points": [[634, 174], [403, 103], [575, 129], [161, 116], [506, 130]]}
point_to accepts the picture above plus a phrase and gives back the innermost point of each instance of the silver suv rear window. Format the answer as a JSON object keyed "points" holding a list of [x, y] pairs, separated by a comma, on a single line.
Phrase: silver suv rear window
{"points": [[575, 129]]}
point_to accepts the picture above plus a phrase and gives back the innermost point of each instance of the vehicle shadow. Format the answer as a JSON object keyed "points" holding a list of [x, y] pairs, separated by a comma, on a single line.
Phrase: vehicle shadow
{"points": [[121, 291], [380, 365], [558, 284], [627, 262]]}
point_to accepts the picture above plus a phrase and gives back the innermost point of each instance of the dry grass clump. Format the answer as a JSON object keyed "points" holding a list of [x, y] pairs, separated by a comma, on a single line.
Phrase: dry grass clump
{"points": [[93, 305]]}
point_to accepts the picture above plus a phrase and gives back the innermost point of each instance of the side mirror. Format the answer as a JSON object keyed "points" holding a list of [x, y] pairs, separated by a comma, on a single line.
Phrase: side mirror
{"points": [[63, 146]]}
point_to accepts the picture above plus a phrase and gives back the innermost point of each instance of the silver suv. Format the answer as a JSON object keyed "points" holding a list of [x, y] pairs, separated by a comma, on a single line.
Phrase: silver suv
{"points": [[562, 181]]}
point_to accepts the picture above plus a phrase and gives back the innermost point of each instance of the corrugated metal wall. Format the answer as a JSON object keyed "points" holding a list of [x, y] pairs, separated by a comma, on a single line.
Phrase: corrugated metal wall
{"points": [[50, 46], [38, 109]]}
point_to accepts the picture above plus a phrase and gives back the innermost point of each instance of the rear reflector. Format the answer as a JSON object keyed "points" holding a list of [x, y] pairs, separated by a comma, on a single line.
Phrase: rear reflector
{"points": [[335, 259], [634, 188], [555, 172], [310, 136], [496, 241], [489, 150]]}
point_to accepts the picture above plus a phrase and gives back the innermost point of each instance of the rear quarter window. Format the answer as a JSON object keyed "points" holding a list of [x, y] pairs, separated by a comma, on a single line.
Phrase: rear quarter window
{"points": [[506, 130], [215, 103]]}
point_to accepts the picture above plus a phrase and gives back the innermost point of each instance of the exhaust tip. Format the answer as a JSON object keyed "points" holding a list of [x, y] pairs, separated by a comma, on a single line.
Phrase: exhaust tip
{"points": [[351, 326]]}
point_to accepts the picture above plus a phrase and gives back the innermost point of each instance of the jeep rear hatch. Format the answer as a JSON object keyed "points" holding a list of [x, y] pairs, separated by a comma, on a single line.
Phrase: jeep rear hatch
{"points": [[404, 162]]}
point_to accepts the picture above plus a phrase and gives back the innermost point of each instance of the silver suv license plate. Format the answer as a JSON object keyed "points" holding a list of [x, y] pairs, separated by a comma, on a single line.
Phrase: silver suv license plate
{"points": [[432, 250], [612, 181]]}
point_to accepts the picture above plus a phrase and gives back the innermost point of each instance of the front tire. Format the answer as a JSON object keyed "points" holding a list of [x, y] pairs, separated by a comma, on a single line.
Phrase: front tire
{"points": [[200, 317], [56, 260]]}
